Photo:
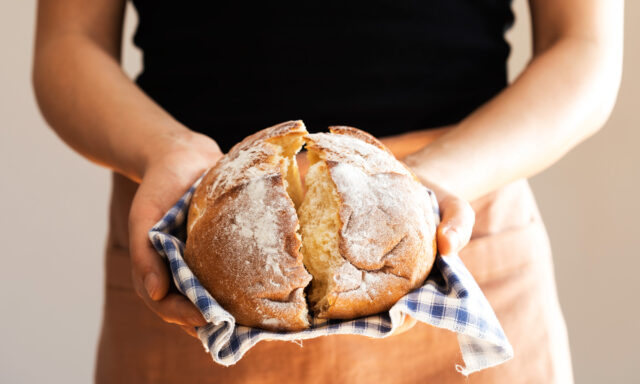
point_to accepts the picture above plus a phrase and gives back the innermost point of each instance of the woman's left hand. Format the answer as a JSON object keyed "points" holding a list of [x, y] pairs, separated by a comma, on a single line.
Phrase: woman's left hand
{"points": [[456, 224], [456, 221], [456, 215], [174, 164]]}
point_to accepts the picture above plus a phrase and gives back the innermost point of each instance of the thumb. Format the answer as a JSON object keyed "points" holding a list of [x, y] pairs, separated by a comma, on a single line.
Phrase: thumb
{"points": [[456, 226], [149, 271]]}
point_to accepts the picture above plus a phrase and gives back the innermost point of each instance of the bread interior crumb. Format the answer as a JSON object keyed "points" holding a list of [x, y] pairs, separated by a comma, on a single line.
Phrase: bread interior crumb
{"points": [[318, 215], [287, 148], [320, 227]]}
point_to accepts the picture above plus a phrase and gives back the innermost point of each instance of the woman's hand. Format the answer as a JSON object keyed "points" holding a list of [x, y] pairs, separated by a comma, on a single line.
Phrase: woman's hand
{"points": [[456, 224], [456, 220], [174, 164]]}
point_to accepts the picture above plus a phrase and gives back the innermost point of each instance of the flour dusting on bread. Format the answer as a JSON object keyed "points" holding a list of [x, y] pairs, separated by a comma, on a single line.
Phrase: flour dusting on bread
{"points": [[242, 242], [385, 226], [364, 229]]}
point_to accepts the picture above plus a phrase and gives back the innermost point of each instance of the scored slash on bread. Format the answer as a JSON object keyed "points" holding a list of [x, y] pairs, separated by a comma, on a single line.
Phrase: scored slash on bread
{"points": [[242, 240], [364, 230]]}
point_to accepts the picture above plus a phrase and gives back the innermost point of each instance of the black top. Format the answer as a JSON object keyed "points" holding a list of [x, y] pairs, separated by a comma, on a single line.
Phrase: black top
{"points": [[229, 68]]}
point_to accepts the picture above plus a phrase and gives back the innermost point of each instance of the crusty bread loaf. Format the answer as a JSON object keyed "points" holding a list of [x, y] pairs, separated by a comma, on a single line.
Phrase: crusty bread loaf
{"points": [[366, 228], [242, 243]]}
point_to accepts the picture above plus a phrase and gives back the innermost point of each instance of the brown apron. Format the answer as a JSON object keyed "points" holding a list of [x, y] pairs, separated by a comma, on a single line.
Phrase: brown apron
{"points": [[509, 256]]}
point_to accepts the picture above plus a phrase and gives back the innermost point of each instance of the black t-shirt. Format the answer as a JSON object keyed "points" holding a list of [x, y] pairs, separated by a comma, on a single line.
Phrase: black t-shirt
{"points": [[229, 68]]}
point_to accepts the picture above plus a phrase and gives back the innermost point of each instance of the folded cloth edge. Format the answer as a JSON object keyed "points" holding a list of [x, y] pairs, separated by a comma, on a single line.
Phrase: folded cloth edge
{"points": [[482, 341]]}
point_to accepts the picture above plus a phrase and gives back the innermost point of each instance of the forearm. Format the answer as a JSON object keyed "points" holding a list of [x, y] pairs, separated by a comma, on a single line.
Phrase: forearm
{"points": [[564, 96], [93, 106]]}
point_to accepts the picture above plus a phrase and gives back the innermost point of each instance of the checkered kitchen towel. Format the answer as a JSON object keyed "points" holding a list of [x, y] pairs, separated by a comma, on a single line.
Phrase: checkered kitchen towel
{"points": [[449, 299]]}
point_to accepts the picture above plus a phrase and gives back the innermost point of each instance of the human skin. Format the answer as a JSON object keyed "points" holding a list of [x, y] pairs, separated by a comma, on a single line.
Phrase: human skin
{"points": [[565, 94]]}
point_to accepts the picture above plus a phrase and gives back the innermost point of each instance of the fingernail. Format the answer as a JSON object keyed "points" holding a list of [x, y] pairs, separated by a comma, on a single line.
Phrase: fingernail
{"points": [[150, 282], [453, 237]]}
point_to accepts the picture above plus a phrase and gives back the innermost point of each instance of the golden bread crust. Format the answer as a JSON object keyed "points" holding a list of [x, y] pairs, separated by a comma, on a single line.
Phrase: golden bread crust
{"points": [[242, 228], [387, 225], [242, 242]]}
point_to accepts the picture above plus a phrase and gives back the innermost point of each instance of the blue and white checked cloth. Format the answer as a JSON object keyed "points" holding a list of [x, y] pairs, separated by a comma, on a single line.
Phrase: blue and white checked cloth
{"points": [[449, 299]]}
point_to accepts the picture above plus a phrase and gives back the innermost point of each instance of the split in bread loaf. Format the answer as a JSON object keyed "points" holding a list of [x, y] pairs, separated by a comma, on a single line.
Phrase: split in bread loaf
{"points": [[364, 230]]}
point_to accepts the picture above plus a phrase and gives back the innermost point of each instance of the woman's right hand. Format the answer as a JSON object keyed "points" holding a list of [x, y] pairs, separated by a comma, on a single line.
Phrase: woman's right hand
{"points": [[173, 165]]}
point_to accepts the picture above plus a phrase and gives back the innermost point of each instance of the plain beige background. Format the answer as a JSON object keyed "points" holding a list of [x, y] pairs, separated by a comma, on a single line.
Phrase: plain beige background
{"points": [[54, 205]]}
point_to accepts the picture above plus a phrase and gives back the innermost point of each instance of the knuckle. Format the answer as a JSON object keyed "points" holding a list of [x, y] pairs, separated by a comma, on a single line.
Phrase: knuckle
{"points": [[139, 291]]}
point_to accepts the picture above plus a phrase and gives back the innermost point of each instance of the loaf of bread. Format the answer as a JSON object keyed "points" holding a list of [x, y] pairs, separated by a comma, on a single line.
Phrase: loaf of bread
{"points": [[361, 237]]}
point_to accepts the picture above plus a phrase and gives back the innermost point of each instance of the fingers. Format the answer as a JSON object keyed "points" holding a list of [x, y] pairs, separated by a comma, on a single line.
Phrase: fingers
{"points": [[406, 325], [166, 178], [191, 331], [148, 268], [149, 272], [173, 308], [456, 225]]}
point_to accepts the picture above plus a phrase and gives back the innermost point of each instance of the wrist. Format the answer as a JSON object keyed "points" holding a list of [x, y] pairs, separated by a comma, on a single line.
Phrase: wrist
{"points": [[427, 176], [182, 144]]}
